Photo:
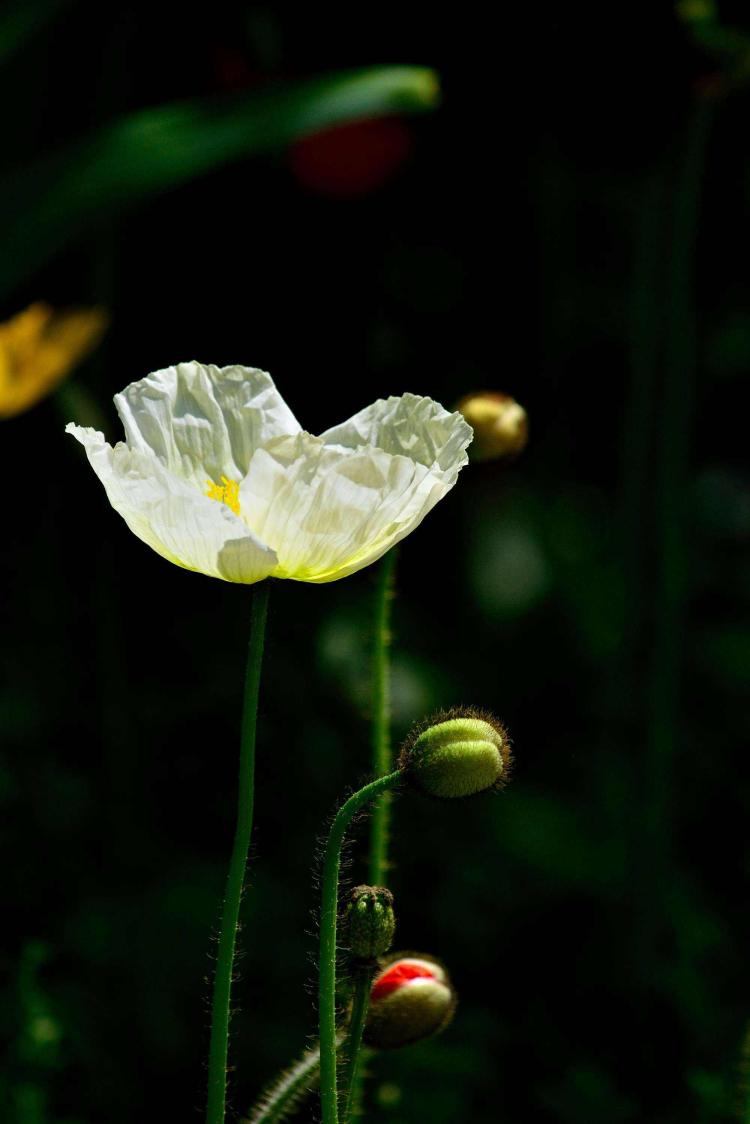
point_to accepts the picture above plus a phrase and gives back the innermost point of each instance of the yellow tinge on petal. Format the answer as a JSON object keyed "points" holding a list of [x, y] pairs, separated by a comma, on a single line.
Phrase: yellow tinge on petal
{"points": [[39, 347], [227, 492]]}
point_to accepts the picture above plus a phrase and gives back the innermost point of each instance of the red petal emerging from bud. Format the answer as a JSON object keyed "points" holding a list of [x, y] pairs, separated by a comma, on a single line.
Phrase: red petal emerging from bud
{"points": [[399, 974], [411, 999]]}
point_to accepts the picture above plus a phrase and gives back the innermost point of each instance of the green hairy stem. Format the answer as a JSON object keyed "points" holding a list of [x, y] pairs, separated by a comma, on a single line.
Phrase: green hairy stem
{"points": [[290, 1089], [382, 756], [328, 928], [220, 1006], [352, 1050]]}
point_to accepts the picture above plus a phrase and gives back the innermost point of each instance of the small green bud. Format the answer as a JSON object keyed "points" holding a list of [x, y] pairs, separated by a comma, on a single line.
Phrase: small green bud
{"points": [[370, 922], [457, 754], [411, 998]]}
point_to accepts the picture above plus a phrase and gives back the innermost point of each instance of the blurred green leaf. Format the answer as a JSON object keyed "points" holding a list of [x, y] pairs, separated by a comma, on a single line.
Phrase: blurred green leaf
{"points": [[729, 47], [728, 348], [510, 571], [588, 1092], [549, 836], [712, 1094], [725, 655], [19, 22], [47, 205]]}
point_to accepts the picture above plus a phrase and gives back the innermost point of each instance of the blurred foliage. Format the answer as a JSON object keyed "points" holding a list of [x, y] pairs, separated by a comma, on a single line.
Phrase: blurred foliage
{"points": [[523, 240], [21, 21], [63, 194]]}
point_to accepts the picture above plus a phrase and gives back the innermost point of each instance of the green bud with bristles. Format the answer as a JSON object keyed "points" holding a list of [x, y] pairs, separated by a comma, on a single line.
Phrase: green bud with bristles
{"points": [[370, 922], [457, 754]]}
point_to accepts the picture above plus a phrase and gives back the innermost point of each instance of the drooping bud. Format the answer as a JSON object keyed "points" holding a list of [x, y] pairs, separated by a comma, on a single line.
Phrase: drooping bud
{"points": [[459, 753], [411, 998], [500, 424], [370, 922]]}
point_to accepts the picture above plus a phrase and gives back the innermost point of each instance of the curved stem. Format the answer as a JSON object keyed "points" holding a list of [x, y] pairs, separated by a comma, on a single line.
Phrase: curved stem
{"points": [[382, 757], [360, 1003], [220, 1005], [290, 1089], [328, 920]]}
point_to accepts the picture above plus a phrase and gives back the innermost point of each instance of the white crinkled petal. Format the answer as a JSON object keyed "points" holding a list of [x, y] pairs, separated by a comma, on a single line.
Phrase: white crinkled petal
{"points": [[328, 510], [204, 421], [409, 426], [172, 515]]}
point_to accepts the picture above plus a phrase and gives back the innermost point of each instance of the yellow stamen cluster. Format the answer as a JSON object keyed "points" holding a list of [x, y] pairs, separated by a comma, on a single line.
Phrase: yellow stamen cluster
{"points": [[227, 492]]}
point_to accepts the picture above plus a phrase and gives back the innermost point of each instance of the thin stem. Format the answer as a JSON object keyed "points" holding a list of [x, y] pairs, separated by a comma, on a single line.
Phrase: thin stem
{"points": [[328, 920], [743, 1081], [639, 438], [220, 1006], [382, 756], [288, 1091], [671, 472], [360, 1003], [664, 512]]}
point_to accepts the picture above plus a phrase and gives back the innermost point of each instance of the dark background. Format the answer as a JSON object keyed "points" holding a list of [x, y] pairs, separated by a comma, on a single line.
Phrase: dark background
{"points": [[570, 226]]}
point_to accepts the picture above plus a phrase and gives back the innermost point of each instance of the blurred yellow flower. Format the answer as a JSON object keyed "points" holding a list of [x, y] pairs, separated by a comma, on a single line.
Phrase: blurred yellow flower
{"points": [[217, 475], [39, 347], [500, 424]]}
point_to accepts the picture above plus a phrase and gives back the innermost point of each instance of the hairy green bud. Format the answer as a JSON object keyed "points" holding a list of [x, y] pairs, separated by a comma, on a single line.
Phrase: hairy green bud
{"points": [[370, 922], [458, 753]]}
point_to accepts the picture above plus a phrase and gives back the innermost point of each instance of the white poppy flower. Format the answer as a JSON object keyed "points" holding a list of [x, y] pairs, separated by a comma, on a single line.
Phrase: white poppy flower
{"points": [[217, 476]]}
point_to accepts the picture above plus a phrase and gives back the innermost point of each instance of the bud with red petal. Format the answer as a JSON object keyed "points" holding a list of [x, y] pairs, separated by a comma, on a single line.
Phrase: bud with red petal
{"points": [[411, 998], [500, 424], [457, 753]]}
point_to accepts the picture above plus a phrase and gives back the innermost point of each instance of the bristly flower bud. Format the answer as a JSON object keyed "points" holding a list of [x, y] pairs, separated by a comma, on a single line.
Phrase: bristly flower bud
{"points": [[370, 922], [500, 424], [411, 998], [457, 753]]}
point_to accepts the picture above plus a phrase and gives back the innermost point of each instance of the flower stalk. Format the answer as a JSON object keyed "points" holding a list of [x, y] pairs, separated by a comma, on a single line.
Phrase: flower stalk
{"points": [[221, 1001], [285, 1095], [382, 755], [328, 933], [353, 1048]]}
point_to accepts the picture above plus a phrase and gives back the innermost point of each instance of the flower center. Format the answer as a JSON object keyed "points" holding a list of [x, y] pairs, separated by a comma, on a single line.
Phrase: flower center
{"points": [[227, 492]]}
